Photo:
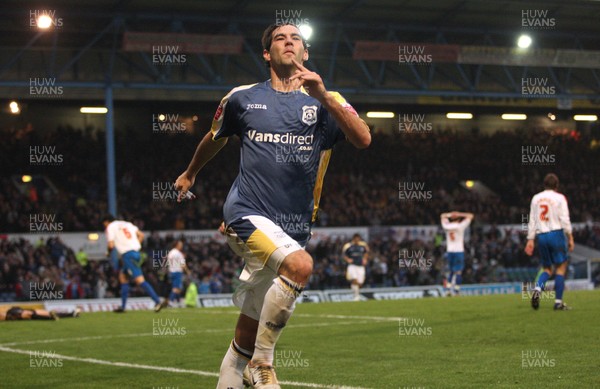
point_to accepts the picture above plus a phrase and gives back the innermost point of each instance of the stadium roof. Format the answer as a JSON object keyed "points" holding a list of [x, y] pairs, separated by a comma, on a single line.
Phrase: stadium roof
{"points": [[88, 50]]}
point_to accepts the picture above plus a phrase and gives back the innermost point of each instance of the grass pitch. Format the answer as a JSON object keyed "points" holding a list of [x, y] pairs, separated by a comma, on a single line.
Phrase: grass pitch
{"points": [[466, 342]]}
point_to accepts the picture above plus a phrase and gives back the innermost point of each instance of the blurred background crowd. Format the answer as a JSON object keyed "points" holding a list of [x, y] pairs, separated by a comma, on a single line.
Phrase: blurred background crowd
{"points": [[361, 189]]}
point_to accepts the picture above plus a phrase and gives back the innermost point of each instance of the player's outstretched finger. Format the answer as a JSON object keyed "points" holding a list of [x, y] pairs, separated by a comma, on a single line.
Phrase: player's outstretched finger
{"points": [[299, 65]]}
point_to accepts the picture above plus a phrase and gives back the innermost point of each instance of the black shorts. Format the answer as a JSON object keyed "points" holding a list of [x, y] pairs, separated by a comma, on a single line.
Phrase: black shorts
{"points": [[16, 313]]}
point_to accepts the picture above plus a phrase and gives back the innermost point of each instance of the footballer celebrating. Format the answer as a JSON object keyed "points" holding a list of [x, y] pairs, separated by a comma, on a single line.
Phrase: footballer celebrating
{"points": [[288, 126], [455, 224], [549, 222], [356, 254]]}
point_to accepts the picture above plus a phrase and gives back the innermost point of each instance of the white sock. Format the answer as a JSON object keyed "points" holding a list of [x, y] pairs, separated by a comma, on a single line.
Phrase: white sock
{"points": [[279, 303], [355, 288], [232, 367]]}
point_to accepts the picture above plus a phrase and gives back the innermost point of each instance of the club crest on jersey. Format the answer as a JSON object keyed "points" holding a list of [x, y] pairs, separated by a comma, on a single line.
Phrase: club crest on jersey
{"points": [[309, 114]]}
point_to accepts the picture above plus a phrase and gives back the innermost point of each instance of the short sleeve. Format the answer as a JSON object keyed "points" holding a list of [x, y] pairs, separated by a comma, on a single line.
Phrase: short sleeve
{"points": [[110, 232], [223, 125]]}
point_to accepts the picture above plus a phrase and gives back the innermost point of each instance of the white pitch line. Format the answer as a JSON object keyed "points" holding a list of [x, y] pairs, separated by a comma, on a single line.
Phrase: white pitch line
{"points": [[374, 318], [326, 316], [167, 369], [102, 337]]}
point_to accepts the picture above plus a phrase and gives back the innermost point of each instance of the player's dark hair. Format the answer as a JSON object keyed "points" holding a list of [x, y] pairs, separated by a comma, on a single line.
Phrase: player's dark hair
{"points": [[356, 236], [267, 37], [108, 218], [551, 181]]}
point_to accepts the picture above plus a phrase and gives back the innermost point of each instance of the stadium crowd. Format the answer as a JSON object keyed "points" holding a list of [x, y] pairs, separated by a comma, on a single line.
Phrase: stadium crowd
{"points": [[361, 187], [50, 266], [358, 191]]}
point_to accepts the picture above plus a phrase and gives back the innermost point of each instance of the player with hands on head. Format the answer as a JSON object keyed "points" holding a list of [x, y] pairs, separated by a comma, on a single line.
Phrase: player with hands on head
{"points": [[455, 224], [288, 126]]}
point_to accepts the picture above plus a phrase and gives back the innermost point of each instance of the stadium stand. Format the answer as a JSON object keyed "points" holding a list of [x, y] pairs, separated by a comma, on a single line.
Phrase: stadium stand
{"points": [[358, 192]]}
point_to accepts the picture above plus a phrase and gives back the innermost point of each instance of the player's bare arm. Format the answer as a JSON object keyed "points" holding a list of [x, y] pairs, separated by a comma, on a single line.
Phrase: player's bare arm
{"points": [[529, 247], [355, 129], [468, 215], [206, 150], [140, 235], [571, 242]]}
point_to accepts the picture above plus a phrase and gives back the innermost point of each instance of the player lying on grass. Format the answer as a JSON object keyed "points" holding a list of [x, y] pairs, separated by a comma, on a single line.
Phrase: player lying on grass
{"points": [[18, 313], [549, 224], [288, 126]]}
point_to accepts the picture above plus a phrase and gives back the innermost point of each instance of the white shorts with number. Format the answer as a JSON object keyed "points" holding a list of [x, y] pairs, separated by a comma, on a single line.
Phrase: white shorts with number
{"points": [[355, 272], [263, 245]]}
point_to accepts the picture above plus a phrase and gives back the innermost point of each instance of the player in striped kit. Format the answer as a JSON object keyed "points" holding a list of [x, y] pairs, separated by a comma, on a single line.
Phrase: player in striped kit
{"points": [[127, 239], [455, 246], [550, 226], [176, 263]]}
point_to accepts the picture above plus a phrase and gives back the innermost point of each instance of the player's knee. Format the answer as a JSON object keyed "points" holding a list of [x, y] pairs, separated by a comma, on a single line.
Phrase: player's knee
{"points": [[297, 266]]}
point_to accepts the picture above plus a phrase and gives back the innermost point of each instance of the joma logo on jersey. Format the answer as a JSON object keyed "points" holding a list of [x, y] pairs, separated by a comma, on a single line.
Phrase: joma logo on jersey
{"points": [[287, 138], [309, 114], [256, 106]]}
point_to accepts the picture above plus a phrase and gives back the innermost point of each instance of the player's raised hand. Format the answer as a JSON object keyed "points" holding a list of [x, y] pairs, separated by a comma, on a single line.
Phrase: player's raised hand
{"points": [[183, 184], [310, 80]]}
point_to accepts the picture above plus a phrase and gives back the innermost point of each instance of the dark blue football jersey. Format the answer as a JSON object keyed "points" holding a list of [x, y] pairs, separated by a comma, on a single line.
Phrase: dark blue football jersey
{"points": [[286, 142]]}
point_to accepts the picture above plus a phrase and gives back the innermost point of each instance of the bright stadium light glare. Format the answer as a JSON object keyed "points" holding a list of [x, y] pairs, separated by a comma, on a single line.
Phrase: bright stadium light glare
{"points": [[380, 115], [514, 116], [585, 118], [93, 236], [524, 41], [469, 184], [14, 107], [459, 115], [306, 31], [44, 21], [26, 178], [93, 110]]}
